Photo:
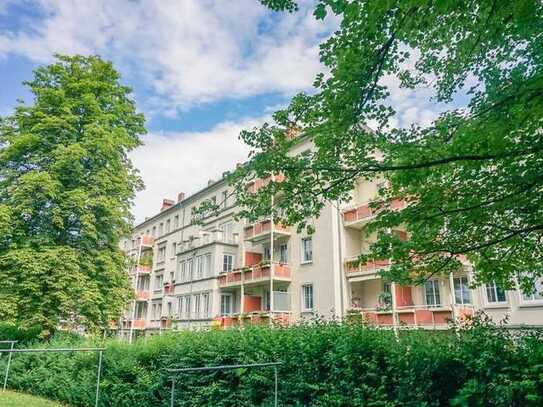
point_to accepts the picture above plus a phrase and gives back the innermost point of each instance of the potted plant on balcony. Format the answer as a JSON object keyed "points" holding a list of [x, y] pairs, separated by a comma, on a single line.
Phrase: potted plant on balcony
{"points": [[384, 301], [146, 261]]}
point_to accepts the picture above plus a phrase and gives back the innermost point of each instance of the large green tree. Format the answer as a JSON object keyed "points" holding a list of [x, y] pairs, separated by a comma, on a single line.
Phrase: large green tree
{"points": [[473, 179], [66, 187]]}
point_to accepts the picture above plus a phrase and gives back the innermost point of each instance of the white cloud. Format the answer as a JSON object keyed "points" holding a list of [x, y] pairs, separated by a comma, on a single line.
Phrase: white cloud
{"points": [[188, 51], [170, 163]]}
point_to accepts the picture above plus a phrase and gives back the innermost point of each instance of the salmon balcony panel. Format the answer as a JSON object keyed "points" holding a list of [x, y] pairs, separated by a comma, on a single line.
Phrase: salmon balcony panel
{"points": [[143, 269], [147, 240], [138, 323], [142, 295]]}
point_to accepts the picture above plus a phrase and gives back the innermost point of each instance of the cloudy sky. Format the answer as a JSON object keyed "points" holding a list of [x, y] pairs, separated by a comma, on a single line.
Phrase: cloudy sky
{"points": [[201, 71]]}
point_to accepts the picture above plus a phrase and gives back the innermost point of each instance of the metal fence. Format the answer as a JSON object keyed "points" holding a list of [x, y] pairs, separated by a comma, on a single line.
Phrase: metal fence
{"points": [[61, 350], [12, 345], [223, 367]]}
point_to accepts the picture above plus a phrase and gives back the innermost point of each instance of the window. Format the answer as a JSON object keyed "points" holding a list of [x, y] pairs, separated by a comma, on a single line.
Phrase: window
{"points": [[227, 230], [176, 221], [154, 311], [226, 304], [537, 292], [158, 282], [307, 250], [283, 253], [462, 294], [174, 248], [180, 303], [200, 266], [228, 263], [224, 197], [267, 254], [168, 226], [307, 297], [494, 293], [161, 229], [154, 231], [431, 291], [197, 306], [205, 303], [172, 276], [266, 301], [387, 287], [207, 265], [141, 310], [186, 270], [170, 309], [161, 254], [187, 306]]}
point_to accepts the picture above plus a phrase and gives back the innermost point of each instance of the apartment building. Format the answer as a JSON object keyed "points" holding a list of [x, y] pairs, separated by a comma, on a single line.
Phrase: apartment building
{"points": [[226, 272]]}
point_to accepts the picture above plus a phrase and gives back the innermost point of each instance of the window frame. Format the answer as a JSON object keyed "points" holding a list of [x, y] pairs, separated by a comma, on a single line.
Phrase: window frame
{"points": [[463, 285], [436, 293], [304, 296], [495, 291], [303, 259]]}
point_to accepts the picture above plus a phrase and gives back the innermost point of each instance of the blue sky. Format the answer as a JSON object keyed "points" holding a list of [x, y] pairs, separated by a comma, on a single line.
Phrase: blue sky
{"points": [[201, 70]]}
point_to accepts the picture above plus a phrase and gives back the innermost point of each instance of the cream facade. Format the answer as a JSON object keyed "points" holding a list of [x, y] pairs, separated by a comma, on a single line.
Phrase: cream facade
{"points": [[226, 272]]}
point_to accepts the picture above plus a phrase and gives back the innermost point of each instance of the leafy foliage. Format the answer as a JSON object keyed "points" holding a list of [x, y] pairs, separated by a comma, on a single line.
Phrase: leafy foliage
{"points": [[324, 364], [472, 179], [66, 186]]}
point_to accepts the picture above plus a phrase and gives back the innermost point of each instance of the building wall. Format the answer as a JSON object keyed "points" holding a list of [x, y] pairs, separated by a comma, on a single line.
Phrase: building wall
{"points": [[336, 291]]}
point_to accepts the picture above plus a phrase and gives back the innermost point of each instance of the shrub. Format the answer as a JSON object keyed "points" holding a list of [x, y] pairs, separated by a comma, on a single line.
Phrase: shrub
{"points": [[324, 364]]}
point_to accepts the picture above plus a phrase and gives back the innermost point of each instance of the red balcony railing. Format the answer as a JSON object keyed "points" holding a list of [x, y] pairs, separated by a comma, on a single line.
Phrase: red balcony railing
{"points": [[263, 227], [368, 210], [255, 185], [143, 269], [147, 240], [142, 295], [369, 267], [138, 323], [255, 273]]}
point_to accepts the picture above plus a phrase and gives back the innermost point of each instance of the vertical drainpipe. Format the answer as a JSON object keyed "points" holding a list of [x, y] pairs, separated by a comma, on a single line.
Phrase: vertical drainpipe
{"points": [[340, 260], [272, 265], [135, 289]]}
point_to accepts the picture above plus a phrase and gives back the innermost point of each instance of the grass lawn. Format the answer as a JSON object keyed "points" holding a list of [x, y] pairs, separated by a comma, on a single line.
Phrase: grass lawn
{"points": [[12, 399]]}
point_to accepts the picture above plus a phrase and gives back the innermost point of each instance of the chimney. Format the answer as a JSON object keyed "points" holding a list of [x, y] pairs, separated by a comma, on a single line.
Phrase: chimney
{"points": [[166, 203], [180, 196]]}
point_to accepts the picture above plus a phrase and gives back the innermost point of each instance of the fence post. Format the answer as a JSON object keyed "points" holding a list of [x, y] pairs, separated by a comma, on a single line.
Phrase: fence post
{"points": [[275, 375], [7, 367], [172, 397], [98, 374]]}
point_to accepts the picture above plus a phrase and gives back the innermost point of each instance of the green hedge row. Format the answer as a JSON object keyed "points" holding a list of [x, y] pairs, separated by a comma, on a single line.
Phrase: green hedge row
{"points": [[324, 364]]}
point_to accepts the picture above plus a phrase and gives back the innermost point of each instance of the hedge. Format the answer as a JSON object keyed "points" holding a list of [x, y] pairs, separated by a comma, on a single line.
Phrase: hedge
{"points": [[324, 364]]}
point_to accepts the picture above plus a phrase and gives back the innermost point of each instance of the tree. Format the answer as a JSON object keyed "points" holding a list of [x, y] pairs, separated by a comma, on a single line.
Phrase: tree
{"points": [[66, 187], [472, 180]]}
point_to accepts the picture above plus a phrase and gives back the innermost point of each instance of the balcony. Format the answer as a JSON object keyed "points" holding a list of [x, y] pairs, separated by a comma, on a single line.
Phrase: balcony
{"points": [[255, 274], [169, 288], [165, 323], [255, 318], [138, 324], [142, 295], [207, 238], [358, 216], [254, 186], [262, 230], [352, 269], [141, 269], [146, 241]]}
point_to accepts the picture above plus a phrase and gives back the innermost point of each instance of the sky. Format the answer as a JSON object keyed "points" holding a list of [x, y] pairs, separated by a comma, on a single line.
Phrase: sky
{"points": [[201, 71]]}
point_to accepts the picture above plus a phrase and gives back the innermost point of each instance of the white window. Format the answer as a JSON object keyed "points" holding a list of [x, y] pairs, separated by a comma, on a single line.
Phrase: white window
{"points": [[205, 303], [495, 294], [168, 226], [176, 221], [307, 250], [161, 254], [226, 304], [462, 293], [154, 231], [227, 230], [431, 291], [154, 311], [186, 270], [197, 306], [180, 304], [174, 248], [172, 276], [536, 294], [161, 229], [227, 263], [307, 297], [224, 197], [267, 254], [200, 260], [187, 307], [283, 253], [207, 265], [158, 282], [170, 309]]}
